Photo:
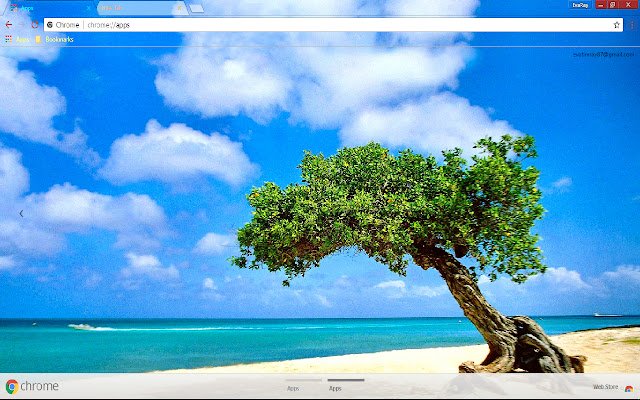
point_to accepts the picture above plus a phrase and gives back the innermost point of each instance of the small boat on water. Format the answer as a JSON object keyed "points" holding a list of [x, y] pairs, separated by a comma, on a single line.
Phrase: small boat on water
{"points": [[606, 315]]}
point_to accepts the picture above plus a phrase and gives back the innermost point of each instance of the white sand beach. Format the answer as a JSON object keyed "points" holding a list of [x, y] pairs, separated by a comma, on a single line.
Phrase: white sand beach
{"points": [[608, 350]]}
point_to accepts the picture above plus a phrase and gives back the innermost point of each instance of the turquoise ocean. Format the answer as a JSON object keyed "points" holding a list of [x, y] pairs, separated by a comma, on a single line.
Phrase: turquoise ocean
{"points": [[148, 345]]}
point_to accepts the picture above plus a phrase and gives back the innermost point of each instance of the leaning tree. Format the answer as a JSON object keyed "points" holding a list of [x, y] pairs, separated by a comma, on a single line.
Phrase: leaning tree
{"points": [[438, 213]]}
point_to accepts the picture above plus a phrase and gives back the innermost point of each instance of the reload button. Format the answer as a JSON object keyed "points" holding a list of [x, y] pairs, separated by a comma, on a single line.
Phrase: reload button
{"points": [[581, 5]]}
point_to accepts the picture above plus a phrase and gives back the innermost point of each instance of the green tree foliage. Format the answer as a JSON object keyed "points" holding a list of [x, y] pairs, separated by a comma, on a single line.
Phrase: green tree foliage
{"points": [[393, 207]]}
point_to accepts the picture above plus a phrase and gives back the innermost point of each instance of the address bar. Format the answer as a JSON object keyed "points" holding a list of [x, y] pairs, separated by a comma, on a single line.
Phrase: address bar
{"points": [[333, 24]]}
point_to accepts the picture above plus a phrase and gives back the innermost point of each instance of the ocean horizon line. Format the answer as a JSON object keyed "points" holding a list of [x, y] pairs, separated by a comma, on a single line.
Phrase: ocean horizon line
{"points": [[290, 318]]}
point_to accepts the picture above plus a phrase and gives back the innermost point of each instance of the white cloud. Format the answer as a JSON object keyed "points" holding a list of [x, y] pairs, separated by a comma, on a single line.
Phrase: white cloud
{"points": [[428, 291], [28, 238], [273, 295], [210, 290], [7, 263], [556, 279], [88, 278], [555, 292], [65, 209], [71, 209], [323, 301], [222, 82], [442, 121], [176, 153], [565, 279], [142, 267], [14, 177], [399, 289], [563, 183], [15, 235], [32, 107], [215, 243], [212, 296], [334, 87], [343, 282], [624, 274], [209, 284], [229, 279], [18, 116], [138, 240], [391, 284], [321, 86]]}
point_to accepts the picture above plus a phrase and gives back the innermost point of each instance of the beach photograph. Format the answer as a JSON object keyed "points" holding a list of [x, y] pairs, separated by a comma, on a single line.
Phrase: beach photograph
{"points": [[315, 203]]}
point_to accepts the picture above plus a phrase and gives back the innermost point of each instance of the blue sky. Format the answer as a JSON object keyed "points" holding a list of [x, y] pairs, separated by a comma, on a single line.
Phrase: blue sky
{"points": [[132, 164]]}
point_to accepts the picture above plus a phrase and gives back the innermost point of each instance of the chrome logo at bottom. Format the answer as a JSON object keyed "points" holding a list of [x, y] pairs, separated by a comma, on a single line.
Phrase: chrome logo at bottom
{"points": [[12, 386]]}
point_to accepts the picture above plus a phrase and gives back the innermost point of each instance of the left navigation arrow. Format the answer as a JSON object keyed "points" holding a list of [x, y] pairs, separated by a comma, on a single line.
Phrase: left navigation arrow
{"points": [[8, 24], [21, 213]]}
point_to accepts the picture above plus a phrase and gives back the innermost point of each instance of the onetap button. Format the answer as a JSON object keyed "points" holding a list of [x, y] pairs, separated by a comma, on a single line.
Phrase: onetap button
{"points": [[581, 5]]}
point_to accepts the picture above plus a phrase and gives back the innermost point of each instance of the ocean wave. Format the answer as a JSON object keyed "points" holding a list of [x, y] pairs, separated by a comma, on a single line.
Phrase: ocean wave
{"points": [[84, 327]]}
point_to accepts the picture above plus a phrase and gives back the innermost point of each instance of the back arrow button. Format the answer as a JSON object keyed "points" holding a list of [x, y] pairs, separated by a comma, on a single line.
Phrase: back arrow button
{"points": [[8, 24]]}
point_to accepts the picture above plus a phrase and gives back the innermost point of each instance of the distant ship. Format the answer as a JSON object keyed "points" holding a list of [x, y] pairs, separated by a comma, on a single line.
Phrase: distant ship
{"points": [[606, 315]]}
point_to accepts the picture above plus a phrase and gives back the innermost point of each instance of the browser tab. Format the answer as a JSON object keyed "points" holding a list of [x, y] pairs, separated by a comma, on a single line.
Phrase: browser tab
{"points": [[196, 8], [142, 8]]}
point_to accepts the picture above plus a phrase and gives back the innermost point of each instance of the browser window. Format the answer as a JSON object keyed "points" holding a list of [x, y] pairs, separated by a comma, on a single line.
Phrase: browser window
{"points": [[301, 199]]}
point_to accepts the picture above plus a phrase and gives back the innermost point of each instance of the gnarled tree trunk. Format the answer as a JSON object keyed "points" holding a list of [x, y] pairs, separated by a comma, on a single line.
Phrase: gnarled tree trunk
{"points": [[515, 343]]}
